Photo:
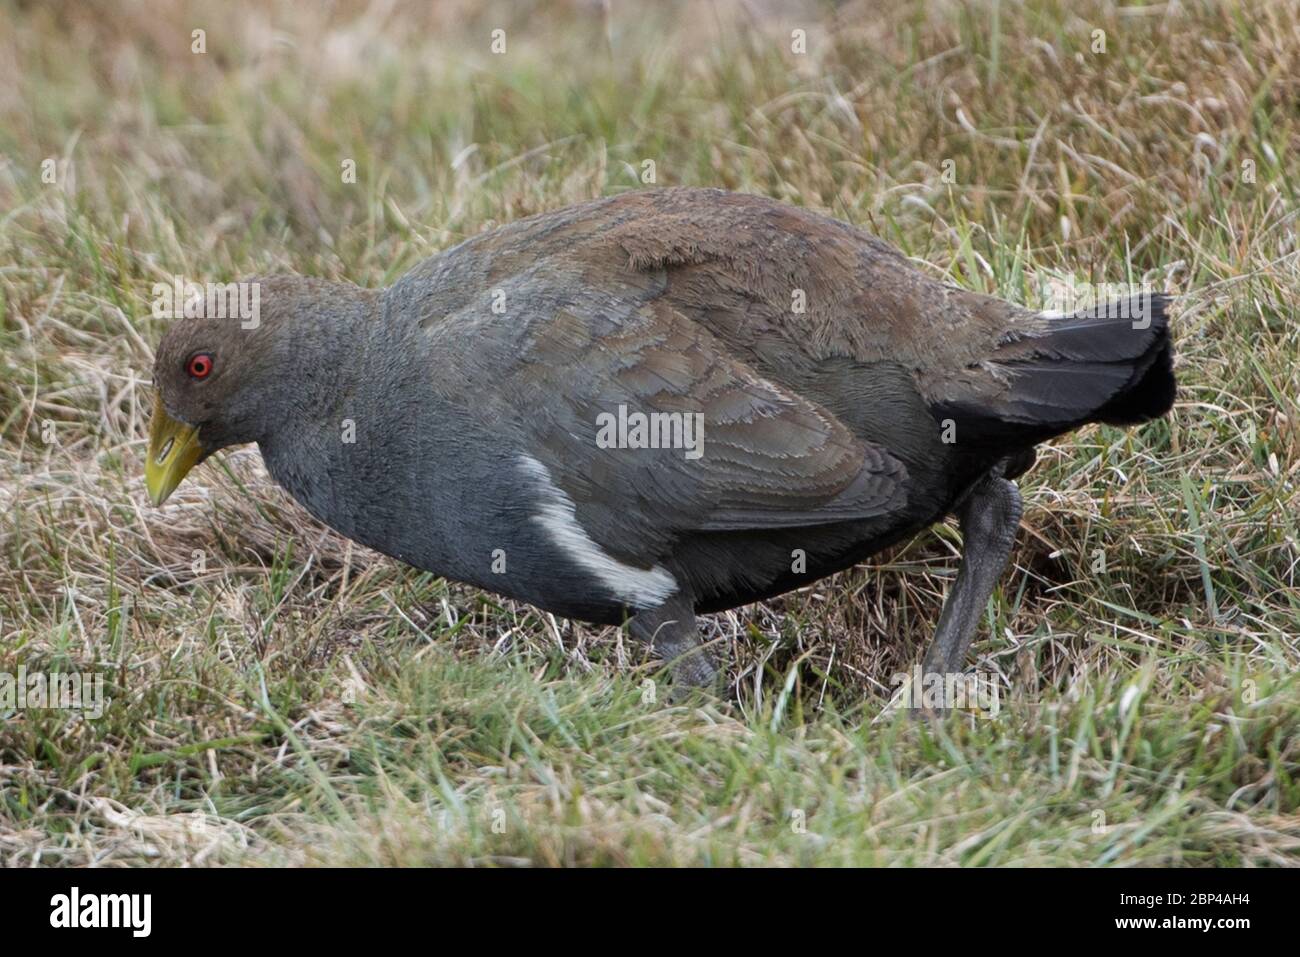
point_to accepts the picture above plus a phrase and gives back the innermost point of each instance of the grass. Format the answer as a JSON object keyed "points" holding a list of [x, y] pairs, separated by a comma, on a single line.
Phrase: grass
{"points": [[278, 695]]}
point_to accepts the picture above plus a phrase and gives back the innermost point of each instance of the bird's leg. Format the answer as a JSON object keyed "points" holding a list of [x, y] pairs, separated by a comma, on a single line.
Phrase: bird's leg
{"points": [[988, 519], [671, 632]]}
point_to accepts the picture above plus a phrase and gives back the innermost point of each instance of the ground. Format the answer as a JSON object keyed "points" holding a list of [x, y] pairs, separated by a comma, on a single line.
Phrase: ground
{"points": [[278, 695]]}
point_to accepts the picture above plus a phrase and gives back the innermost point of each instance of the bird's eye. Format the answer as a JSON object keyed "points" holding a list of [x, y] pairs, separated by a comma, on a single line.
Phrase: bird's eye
{"points": [[199, 365]]}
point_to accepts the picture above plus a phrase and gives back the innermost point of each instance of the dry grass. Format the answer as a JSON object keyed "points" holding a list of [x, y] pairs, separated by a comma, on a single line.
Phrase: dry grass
{"points": [[279, 695]]}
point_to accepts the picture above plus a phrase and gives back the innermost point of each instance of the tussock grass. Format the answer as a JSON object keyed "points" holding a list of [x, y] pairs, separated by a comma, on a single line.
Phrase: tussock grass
{"points": [[279, 695]]}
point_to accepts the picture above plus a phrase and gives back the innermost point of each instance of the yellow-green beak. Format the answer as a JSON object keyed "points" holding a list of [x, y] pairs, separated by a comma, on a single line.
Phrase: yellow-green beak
{"points": [[173, 450]]}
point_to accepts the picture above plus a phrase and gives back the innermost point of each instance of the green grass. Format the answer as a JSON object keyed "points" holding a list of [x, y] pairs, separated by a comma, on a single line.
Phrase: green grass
{"points": [[278, 695]]}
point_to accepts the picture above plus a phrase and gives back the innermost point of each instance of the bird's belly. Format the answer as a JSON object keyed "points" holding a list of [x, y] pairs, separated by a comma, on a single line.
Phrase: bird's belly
{"points": [[733, 569], [490, 537]]}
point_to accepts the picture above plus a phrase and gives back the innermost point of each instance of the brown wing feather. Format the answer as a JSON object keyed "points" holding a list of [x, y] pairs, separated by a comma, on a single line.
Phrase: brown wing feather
{"points": [[770, 458]]}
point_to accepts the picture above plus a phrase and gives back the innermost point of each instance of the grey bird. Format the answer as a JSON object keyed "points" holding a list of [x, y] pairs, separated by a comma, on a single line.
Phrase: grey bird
{"points": [[657, 405]]}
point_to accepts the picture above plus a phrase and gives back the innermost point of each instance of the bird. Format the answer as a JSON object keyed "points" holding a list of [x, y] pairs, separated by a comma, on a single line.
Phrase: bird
{"points": [[657, 405]]}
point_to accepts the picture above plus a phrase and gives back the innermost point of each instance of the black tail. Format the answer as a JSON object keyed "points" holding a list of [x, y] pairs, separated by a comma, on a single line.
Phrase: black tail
{"points": [[1112, 364], [1150, 391]]}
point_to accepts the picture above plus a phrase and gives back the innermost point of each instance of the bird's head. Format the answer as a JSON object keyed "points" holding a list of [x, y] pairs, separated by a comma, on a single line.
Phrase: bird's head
{"points": [[233, 377]]}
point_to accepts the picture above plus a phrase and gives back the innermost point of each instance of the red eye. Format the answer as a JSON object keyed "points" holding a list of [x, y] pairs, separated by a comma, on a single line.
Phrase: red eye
{"points": [[199, 366]]}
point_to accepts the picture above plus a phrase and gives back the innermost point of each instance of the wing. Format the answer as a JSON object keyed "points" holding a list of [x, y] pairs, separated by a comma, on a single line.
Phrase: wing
{"points": [[742, 452]]}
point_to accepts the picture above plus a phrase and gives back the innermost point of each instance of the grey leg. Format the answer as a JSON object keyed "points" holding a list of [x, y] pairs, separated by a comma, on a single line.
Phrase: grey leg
{"points": [[671, 632], [988, 517]]}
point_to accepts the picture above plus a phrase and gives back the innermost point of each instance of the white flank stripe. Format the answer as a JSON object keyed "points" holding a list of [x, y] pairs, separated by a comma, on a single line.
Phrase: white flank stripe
{"points": [[638, 587]]}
